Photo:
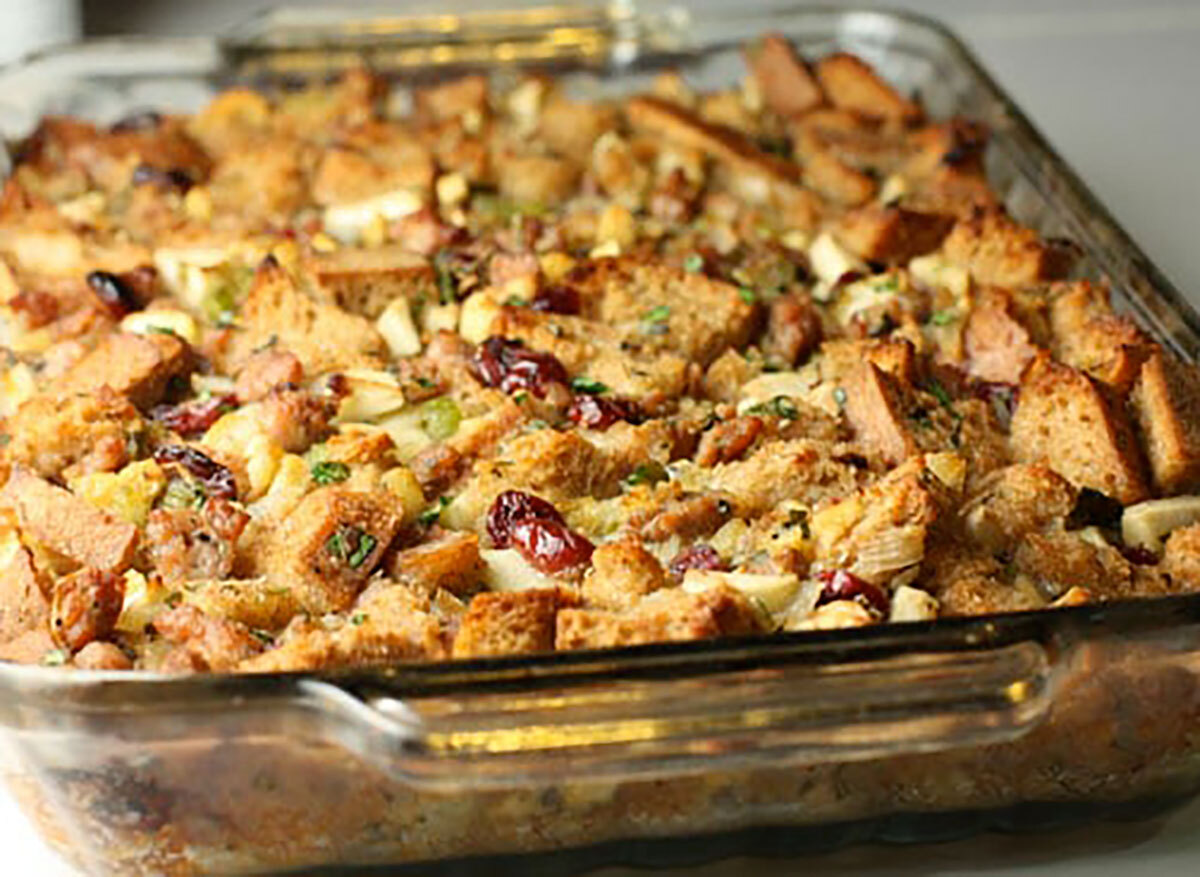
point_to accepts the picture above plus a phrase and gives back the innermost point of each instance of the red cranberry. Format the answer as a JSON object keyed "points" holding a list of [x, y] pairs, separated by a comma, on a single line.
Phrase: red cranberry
{"points": [[842, 585], [511, 366], [116, 294], [1139, 556], [195, 416], [550, 546], [217, 480], [599, 412], [512, 506], [698, 556], [556, 300]]}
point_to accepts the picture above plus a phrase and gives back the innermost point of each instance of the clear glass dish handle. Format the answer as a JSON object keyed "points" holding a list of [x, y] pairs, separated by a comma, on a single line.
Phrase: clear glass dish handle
{"points": [[655, 727]]}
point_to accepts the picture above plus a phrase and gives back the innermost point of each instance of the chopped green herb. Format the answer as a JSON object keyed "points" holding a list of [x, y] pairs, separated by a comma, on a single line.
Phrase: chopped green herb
{"points": [[515, 301], [55, 658], [889, 284], [647, 473], [431, 514], [780, 406], [264, 637], [358, 619], [182, 493], [446, 283], [366, 544], [440, 418], [520, 396], [329, 472], [943, 318], [588, 385], [747, 295], [694, 263], [426, 383], [939, 392], [351, 545], [161, 330], [839, 396], [659, 314]]}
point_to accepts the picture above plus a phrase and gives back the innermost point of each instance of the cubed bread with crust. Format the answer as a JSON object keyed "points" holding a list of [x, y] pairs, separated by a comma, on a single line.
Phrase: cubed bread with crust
{"points": [[1069, 421]]}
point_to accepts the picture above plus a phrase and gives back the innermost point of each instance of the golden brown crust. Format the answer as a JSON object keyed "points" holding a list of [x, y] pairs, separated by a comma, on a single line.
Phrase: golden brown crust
{"points": [[511, 623], [788, 84], [330, 545], [1067, 420], [135, 366], [852, 85], [23, 605], [663, 616], [68, 524], [1166, 403], [999, 252]]}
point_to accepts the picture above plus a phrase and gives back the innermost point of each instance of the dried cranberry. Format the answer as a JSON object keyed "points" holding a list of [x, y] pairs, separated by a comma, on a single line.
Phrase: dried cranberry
{"points": [[842, 585], [137, 121], [116, 294], [1001, 396], [556, 299], [550, 546], [698, 556], [217, 480], [600, 412], [196, 416], [1094, 509], [172, 178], [511, 366], [512, 506], [1139, 556]]}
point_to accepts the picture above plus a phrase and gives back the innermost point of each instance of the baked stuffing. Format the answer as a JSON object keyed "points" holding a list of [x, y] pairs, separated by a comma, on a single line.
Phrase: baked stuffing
{"points": [[298, 383]]}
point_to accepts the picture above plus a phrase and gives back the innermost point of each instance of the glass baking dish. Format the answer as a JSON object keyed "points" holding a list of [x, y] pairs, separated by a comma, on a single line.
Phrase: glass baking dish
{"points": [[663, 754]]}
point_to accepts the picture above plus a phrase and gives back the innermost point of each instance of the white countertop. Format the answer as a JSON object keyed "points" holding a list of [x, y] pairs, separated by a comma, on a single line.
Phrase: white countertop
{"points": [[1111, 82]]}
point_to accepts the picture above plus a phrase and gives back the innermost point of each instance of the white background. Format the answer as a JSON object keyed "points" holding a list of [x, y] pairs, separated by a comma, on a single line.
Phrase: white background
{"points": [[1113, 83]]}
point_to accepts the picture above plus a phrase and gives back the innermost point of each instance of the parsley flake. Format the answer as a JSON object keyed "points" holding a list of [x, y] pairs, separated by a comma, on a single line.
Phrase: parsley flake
{"points": [[358, 619], [694, 263], [780, 406], [747, 295], [646, 473], [659, 314], [446, 283], [329, 472], [943, 318], [431, 514], [351, 546], [588, 385]]}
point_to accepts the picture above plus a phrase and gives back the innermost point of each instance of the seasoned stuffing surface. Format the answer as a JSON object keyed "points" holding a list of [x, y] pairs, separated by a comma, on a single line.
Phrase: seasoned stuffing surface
{"points": [[297, 382]]}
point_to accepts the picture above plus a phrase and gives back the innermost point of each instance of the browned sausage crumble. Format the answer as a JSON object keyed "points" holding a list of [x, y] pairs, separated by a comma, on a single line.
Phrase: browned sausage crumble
{"points": [[296, 383]]}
